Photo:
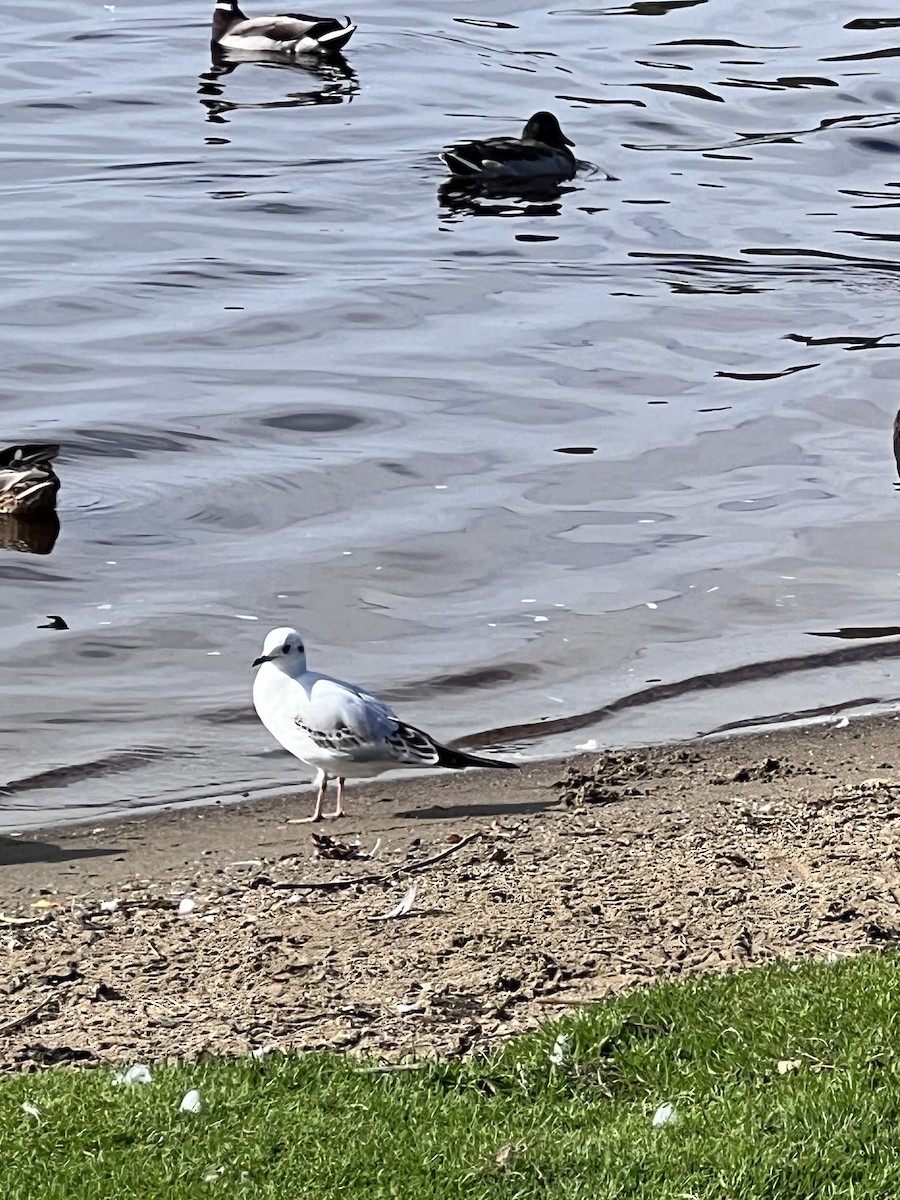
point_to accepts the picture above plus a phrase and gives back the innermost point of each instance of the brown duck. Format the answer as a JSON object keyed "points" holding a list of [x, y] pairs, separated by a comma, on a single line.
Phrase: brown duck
{"points": [[28, 483]]}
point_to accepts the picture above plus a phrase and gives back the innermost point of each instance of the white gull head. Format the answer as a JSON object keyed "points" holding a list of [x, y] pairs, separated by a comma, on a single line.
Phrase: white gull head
{"points": [[284, 649]]}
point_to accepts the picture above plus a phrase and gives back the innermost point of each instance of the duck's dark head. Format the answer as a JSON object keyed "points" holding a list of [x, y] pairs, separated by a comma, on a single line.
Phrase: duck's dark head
{"points": [[544, 127], [225, 14]]}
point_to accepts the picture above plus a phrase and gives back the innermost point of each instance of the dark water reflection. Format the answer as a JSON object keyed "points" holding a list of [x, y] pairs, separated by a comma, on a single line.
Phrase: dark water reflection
{"points": [[492, 198], [321, 81], [29, 535], [295, 380]]}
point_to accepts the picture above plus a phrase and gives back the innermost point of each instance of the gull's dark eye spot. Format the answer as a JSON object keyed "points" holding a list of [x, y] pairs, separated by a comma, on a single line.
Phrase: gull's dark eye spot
{"points": [[286, 648]]}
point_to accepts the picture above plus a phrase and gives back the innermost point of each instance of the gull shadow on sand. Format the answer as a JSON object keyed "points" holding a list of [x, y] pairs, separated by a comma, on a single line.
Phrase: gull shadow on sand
{"points": [[441, 812], [18, 851]]}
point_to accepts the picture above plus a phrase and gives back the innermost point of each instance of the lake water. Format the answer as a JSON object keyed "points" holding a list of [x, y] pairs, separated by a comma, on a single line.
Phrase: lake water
{"points": [[295, 382]]}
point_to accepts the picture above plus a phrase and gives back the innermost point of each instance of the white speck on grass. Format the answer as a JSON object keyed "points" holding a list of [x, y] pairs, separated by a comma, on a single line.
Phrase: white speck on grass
{"points": [[31, 1110], [191, 1103], [663, 1115], [213, 1174], [187, 905], [139, 1073], [259, 1052], [557, 1055]]}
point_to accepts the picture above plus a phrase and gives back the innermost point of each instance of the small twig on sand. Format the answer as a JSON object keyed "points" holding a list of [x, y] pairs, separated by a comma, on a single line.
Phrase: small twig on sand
{"points": [[123, 906], [571, 1001], [330, 885], [420, 865], [26, 1017], [327, 885]]}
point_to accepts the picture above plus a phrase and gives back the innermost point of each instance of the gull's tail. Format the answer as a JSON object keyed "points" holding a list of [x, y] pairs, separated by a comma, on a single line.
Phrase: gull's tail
{"points": [[458, 760], [417, 749]]}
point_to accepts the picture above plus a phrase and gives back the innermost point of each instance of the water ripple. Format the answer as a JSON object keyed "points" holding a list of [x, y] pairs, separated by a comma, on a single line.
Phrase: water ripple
{"points": [[501, 470]]}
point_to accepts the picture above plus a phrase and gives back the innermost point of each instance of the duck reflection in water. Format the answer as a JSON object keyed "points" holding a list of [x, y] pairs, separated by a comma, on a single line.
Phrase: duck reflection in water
{"points": [[502, 197], [28, 488], [334, 81], [29, 535]]}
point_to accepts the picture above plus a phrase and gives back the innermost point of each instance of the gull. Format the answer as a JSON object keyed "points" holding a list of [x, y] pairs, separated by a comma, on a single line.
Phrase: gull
{"points": [[337, 728]]}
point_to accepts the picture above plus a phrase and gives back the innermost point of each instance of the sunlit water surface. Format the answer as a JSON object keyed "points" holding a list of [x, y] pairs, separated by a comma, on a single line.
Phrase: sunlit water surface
{"points": [[297, 382]]}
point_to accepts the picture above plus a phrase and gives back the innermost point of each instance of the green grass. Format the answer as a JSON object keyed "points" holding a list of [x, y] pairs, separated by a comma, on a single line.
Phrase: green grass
{"points": [[513, 1125]]}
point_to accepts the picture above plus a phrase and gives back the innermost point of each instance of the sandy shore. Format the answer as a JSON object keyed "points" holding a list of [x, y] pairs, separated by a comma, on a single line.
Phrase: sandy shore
{"points": [[534, 891]]}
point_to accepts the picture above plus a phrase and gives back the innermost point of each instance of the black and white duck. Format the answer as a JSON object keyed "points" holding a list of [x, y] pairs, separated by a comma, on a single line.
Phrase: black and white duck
{"points": [[286, 33], [542, 152], [28, 483]]}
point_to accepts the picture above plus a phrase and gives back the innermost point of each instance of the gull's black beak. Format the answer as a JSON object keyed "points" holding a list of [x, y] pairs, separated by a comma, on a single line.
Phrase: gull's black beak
{"points": [[568, 141], [257, 662]]}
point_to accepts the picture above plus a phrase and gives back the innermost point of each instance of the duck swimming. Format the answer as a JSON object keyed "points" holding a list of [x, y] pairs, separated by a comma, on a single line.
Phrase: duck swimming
{"points": [[287, 33], [541, 152], [28, 483]]}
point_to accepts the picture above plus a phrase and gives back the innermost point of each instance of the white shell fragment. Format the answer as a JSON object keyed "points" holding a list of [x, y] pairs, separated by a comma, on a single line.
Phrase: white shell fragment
{"points": [[557, 1055], [262, 1051], [191, 1102], [186, 906], [663, 1115], [139, 1073], [402, 908]]}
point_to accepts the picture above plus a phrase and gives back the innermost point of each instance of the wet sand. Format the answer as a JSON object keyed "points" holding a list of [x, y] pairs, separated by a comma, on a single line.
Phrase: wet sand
{"points": [[535, 891]]}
